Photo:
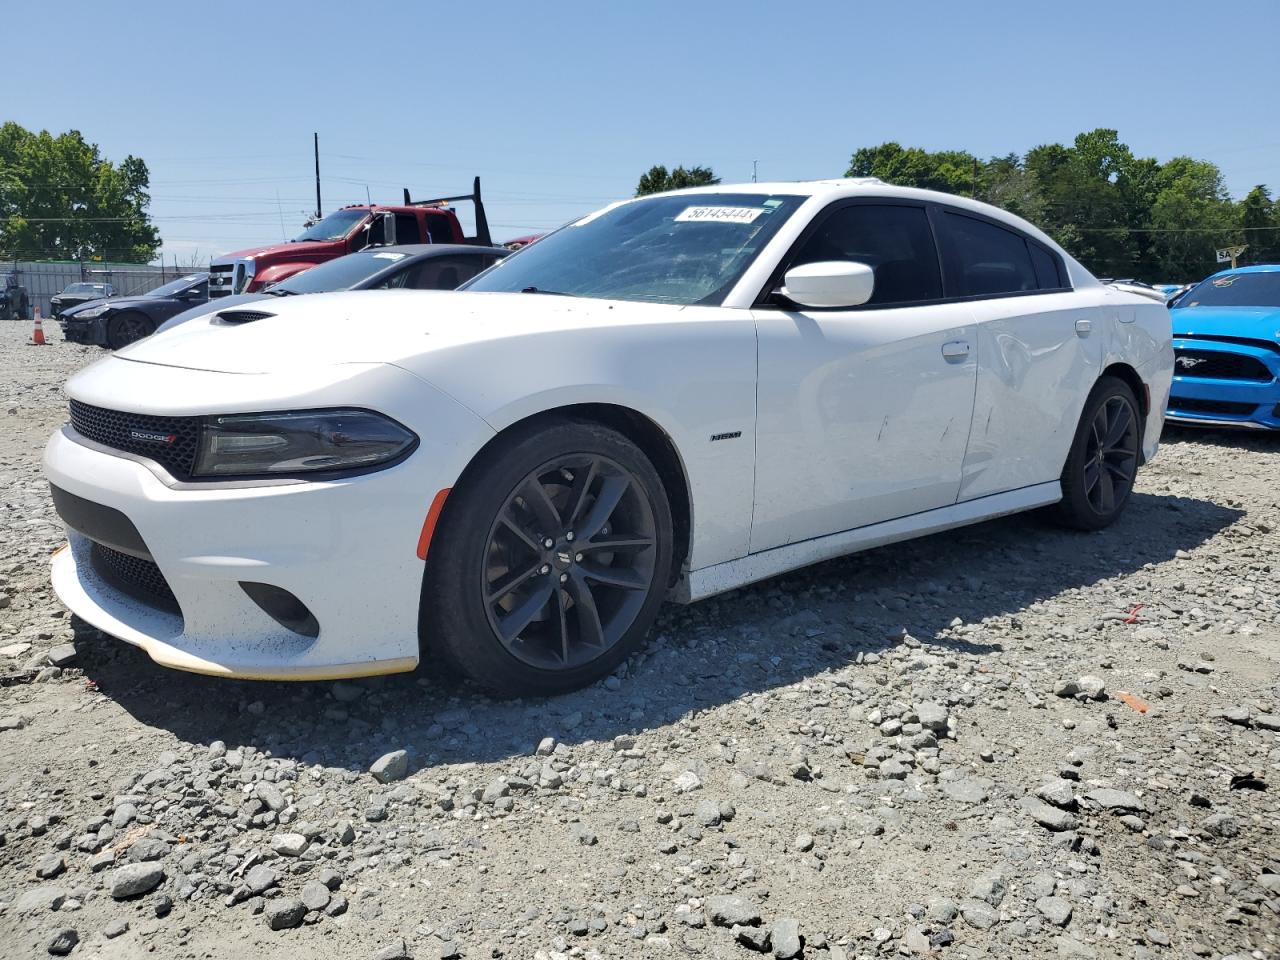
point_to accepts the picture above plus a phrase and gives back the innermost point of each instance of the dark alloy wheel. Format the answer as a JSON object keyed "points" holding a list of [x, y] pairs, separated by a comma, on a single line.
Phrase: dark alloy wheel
{"points": [[1103, 463], [569, 562], [550, 560], [127, 328]]}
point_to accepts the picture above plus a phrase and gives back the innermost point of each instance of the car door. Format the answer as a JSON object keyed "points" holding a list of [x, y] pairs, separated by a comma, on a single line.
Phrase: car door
{"points": [[863, 414], [1038, 351]]}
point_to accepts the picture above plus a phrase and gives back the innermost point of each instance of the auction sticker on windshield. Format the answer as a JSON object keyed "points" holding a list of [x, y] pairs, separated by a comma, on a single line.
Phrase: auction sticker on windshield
{"points": [[718, 214]]}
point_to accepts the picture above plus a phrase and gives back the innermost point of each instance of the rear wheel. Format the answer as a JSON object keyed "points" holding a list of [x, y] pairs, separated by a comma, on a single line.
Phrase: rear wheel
{"points": [[128, 328], [1103, 463], [550, 562]]}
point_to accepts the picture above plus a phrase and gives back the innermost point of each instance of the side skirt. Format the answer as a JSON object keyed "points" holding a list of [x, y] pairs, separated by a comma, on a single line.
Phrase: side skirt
{"points": [[709, 581]]}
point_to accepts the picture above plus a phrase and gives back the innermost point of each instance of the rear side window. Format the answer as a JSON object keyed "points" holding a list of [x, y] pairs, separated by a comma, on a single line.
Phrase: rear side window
{"points": [[407, 230], [1048, 276], [895, 241], [984, 260], [439, 228]]}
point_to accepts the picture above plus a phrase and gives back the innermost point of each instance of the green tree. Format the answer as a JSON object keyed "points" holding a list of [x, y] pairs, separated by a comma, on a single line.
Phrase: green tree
{"points": [[1260, 218], [1191, 216], [658, 179], [60, 199], [951, 171]]}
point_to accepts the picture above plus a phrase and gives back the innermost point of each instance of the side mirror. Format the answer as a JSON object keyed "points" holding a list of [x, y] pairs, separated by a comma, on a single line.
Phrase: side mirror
{"points": [[829, 283]]}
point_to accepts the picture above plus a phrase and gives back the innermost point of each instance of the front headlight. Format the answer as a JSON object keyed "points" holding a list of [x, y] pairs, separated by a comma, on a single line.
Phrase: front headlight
{"points": [[90, 313], [306, 441]]}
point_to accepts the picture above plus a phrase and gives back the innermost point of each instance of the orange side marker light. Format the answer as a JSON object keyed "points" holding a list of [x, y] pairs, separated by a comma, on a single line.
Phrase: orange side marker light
{"points": [[429, 525]]}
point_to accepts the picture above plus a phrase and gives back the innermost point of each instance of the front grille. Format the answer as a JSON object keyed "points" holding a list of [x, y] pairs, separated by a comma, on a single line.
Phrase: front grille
{"points": [[142, 434], [221, 279], [139, 578], [1211, 406], [1215, 365]]}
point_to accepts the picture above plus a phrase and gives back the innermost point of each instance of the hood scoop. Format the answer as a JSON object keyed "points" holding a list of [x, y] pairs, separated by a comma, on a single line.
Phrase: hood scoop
{"points": [[237, 317]]}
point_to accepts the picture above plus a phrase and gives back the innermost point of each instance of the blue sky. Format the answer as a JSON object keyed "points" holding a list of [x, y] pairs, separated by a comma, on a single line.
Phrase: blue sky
{"points": [[561, 106]]}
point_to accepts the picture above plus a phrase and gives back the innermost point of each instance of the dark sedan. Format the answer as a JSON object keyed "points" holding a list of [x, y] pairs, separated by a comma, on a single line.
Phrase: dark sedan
{"points": [[77, 294], [119, 322], [420, 266]]}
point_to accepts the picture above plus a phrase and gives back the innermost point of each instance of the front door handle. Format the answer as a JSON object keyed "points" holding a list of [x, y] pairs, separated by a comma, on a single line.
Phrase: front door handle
{"points": [[1084, 327], [955, 349]]}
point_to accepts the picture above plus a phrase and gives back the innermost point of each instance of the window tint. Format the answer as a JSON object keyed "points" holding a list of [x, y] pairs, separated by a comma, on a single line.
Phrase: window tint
{"points": [[407, 230], [440, 228], [438, 273], [984, 260], [1046, 267], [895, 241]]}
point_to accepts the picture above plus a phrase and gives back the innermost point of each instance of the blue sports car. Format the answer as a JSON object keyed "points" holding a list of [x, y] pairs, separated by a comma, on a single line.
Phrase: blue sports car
{"points": [[1226, 341]]}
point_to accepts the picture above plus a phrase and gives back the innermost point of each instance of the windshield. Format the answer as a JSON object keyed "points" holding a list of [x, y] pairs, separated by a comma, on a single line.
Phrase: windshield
{"points": [[175, 286], [333, 227], [86, 288], [340, 274], [1235, 290], [688, 249]]}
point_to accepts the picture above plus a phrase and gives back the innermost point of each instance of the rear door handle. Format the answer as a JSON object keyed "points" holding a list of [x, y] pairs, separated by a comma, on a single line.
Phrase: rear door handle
{"points": [[955, 349], [1084, 327]]}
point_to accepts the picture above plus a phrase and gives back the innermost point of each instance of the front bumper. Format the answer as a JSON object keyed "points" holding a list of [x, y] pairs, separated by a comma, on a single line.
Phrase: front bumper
{"points": [[92, 332], [346, 548], [1219, 384]]}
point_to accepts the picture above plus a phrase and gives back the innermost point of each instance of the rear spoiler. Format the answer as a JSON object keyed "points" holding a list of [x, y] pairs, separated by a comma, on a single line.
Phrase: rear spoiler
{"points": [[482, 236]]}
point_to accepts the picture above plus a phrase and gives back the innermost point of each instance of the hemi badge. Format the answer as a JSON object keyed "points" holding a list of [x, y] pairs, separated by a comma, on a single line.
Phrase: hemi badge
{"points": [[726, 436], [149, 436]]}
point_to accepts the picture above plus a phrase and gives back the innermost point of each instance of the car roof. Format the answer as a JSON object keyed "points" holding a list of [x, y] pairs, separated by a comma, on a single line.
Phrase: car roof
{"points": [[435, 249], [1251, 268]]}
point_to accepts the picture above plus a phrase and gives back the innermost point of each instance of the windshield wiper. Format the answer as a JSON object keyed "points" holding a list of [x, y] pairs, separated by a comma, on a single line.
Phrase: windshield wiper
{"points": [[549, 293]]}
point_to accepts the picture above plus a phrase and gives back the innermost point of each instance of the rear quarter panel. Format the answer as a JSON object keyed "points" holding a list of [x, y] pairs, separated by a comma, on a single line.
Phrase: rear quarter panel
{"points": [[1140, 333]]}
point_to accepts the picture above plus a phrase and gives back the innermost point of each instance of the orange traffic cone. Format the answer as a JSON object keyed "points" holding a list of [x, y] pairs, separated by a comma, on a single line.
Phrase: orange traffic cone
{"points": [[38, 336]]}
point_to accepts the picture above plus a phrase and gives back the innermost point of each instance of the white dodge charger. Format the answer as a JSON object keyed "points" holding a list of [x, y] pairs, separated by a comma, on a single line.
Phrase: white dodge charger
{"points": [[668, 398]]}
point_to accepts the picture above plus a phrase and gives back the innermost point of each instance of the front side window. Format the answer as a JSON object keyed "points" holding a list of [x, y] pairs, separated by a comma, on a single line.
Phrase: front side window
{"points": [[1260, 289], [441, 273], [895, 241], [682, 249], [984, 260]]}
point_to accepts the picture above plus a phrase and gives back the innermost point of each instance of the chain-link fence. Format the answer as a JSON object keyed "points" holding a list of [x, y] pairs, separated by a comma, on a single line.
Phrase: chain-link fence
{"points": [[45, 279]]}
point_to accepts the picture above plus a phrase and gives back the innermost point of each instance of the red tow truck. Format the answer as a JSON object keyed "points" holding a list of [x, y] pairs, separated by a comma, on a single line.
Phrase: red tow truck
{"points": [[346, 231]]}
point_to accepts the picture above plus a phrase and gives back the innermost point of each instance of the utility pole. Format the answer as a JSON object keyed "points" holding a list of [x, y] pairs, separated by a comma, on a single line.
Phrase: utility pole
{"points": [[974, 192], [319, 215], [754, 165]]}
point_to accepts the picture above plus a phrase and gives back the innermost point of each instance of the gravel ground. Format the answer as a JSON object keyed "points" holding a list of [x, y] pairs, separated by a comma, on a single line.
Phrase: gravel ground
{"points": [[1007, 741]]}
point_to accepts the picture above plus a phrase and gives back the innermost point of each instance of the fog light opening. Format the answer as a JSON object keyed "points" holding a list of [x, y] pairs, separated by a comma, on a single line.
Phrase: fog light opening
{"points": [[282, 607]]}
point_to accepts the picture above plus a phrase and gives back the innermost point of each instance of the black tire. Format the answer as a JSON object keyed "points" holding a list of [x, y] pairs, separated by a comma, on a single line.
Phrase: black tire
{"points": [[128, 328], [489, 525], [1102, 464]]}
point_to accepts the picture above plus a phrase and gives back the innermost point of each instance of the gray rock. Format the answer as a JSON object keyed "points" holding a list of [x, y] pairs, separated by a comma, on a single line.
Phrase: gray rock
{"points": [[1240, 716], [893, 770], [1110, 799], [1221, 825], [124, 814], [726, 911], [260, 879], [979, 914], [941, 910], [146, 849], [396, 950], [50, 865], [40, 899], [270, 794], [707, 813], [289, 844], [990, 889], [64, 941], [63, 655], [1054, 909], [391, 766], [285, 913], [1059, 792], [315, 895], [784, 937], [1049, 817], [968, 790], [933, 716], [115, 928], [1091, 687], [135, 879]]}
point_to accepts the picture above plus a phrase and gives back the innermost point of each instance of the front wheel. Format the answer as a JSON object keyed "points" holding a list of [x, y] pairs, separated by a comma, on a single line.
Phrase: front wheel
{"points": [[550, 562], [1103, 462], [128, 328]]}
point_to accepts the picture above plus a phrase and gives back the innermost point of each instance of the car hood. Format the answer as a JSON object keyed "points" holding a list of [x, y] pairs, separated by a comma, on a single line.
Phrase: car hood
{"points": [[372, 326], [1256, 323], [283, 251], [72, 311]]}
